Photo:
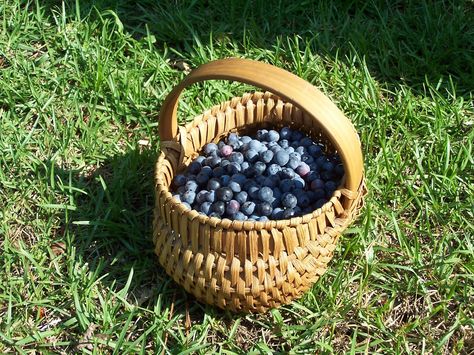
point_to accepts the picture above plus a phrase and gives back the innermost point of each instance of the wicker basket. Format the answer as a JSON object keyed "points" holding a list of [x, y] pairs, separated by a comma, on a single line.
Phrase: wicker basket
{"points": [[247, 266]]}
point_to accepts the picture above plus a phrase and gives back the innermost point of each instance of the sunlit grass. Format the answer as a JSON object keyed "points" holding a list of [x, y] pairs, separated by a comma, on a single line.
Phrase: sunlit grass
{"points": [[80, 93]]}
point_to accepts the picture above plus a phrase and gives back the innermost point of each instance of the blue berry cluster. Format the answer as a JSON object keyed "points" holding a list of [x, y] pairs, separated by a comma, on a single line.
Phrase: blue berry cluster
{"points": [[274, 175]]}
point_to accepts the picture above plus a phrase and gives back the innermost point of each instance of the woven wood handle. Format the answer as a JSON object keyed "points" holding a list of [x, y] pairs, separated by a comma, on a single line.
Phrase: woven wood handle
{"points": [[288, 86]]}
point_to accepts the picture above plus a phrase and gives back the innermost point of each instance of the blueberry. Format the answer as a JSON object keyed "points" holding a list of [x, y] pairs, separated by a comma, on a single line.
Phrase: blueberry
{"points": [[260, 179], [330, 186], [271, 181], [233, 168], [298, 182], [281, 158], [181, 190], [293, 164], [194, 167], [213, 184], [225, 179], [211, 196], [319, 194], [214, 214], [308, 159], [303, 169], [202, 178], [224, 194], [210, 148], [288, 213], [315, 150], [320, 161], [205, 207], [206, 170], [234, 186], [218, 207], [286, 185], [320, 203], [266, 156], [188, 197], [241, 197], [290, 150], [287, 173], [295, 156], [255, 145], [236, 157], [284, 143], [245, 139], [263, 219], [232, 207], [327, 175], [226, 150], [285, 133], [259, 167], [317, 184], [289, 200], [273, 136], [277, 213], [220, 144], [212, 161], [177, 198], [224, 163], [239, 216], [275, 148], [297, 136], [313, 166], [244, 166], [248, 184], [265, 194], [274, 202], [313, 175], [277, 193], [264, 209], [328, 166], [306, 142], [239, 178], [303, 200], [201, 196], [247, 208], [273, 169], [179, 180], [191, 185], [261, 134], [200, 159], [217, 172], [253, 191], [339, 170], [232, 138], [300, 150], [251, 155], [250, 172], [253, 218]]}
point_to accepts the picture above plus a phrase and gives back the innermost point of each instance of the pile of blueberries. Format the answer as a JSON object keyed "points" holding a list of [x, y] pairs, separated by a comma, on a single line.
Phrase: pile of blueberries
{"points": [[275, 175]]}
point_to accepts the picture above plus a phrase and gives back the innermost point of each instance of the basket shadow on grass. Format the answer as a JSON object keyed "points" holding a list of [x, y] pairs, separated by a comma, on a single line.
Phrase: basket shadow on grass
{"points": [[402, 42], [112, 232]]}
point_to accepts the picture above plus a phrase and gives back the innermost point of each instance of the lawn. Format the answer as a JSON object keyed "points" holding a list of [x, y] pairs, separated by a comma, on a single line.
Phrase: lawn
{"points": [[81, 85]]}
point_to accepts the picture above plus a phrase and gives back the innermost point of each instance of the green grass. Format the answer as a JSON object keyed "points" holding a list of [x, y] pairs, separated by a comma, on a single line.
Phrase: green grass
{"points": [[81, 85]]}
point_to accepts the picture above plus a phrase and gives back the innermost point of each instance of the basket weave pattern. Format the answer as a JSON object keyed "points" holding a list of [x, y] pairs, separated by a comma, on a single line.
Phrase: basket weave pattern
{"points": [[245, 266]]}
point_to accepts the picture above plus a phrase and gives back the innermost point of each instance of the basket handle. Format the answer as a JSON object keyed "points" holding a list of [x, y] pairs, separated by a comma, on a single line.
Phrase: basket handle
{"points": [[286, 85]]}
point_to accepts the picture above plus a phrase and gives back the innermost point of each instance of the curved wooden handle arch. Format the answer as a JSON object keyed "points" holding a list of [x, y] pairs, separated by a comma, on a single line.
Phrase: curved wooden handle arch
{"points": [[288, 86]]}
